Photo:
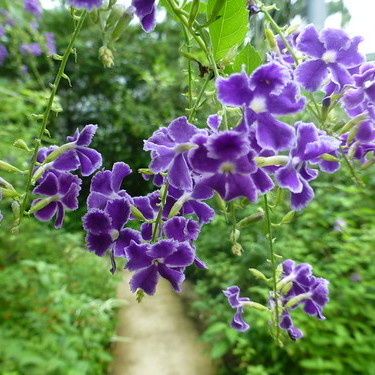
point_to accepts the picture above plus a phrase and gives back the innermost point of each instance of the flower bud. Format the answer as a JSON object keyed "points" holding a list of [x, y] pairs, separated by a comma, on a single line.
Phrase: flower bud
{"points": [[357, 120], [116, 12], [234, 236], [20, 143], [136, 213], [6, 167], [328, 157], [258, 274], [271, 40], [237, 249], [106, 56], [288, 217], [122, 24], [258, 216]]}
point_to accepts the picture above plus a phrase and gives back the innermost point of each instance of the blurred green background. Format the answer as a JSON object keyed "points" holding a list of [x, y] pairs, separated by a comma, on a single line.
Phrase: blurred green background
{"points": [[58, 301]]}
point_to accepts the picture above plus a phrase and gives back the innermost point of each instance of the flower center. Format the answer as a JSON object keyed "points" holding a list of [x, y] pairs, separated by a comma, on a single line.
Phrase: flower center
{"points": [[227, 167], [258, 104], [115, 234], [329, 57]]}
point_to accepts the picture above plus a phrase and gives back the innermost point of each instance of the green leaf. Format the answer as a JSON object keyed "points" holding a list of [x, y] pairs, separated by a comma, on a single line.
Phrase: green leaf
{"points": [[219, 349], [230, 28], [249, 57]]}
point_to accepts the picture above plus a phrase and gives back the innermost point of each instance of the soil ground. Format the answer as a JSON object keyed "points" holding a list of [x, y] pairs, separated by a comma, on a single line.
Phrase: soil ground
{"points": [[160, 338]]}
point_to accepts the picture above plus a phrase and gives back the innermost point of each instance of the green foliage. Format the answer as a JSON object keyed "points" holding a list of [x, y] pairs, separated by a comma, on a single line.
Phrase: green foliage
{"points": [[56, 317], [341, 344], [230, 29]]}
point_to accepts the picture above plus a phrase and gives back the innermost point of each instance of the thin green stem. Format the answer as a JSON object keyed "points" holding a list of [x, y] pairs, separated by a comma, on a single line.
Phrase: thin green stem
{"points": [[199, 97], [48, 109], [160, 212], [279, 31], [190, 79], [273, 264], [357, 180], [177, 11]]}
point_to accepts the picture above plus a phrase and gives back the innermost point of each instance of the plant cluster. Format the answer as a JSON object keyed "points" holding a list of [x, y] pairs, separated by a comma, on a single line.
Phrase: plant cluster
{"points": [[256, 143]]}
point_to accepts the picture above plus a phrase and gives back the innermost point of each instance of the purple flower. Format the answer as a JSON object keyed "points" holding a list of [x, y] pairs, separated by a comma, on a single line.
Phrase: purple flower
{"points": [[224, 163], [168, 148], [61, 191], [2, 31], [330, 51], [50, 43], [3, 54], [106, 186], [145, 11], [237, 302], [33, 7], [89, 5], [286, 323], [90, 159], [296, 174], [312, 292], [105, 228], [166, 258], [32, 49], [268, 92]]}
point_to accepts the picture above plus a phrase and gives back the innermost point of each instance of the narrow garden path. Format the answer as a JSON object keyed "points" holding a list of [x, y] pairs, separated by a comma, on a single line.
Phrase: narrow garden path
{"points": [[161, 339]]}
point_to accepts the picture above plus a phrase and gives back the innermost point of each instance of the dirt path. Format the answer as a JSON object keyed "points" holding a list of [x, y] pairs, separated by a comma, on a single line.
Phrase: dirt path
{"points": [[162, 339]]}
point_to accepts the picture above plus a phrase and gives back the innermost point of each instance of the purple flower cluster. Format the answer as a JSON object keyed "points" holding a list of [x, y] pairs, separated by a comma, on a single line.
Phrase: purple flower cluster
{"points": [[297, 286], [59, 188], [229, 161], [163, 246], [304, 289]]}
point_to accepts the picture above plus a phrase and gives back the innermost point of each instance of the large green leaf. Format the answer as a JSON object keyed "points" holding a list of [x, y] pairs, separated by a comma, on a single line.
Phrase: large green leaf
{"points": [[249, 57], [230, 29]]}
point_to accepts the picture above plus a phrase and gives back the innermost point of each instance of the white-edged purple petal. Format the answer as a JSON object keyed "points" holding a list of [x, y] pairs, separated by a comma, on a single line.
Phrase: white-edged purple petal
{"points": [[179, 174], [119, 212], [287, 177], [162, 249], [145, 279], [173, 276], [49, 186], [46, 213], [180, 130], [182, 257], [97, 221], [234, 91], [301, 200], [309, 43], [311, 74], [137, 256], [98, 243], [123, 241], [90, 160]]}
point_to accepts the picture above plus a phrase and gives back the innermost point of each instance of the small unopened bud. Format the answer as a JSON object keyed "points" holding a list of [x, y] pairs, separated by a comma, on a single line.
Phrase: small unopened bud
{"points": [[255, 305], [117, 11], [357, 120], [288, 217], [220, 202], [136, 213], [122, 24], [20, 143], [237, 249], [258, 216], [271, 40], [258, 274], [194, 11], [106, 56], [229, 56], [328, 157], [368, 164], [234, 236], [6, 167]]}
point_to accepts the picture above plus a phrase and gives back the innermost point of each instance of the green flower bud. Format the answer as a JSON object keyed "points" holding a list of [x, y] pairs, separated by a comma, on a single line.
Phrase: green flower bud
{"points": [[358, 120], [237, 249], [136, 213], [258, 274], [258, 216], [288, 217], [194, 11], [42, 203], [328, 157], [234, 236], [106, 56], [6, 167], [20, 143], [271, 160], [122, 24], [116, 12]]}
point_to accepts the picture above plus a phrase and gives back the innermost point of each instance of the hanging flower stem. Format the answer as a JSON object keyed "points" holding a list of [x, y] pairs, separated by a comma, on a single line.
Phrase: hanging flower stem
{"points": [[54, 86], [273, 265]]}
